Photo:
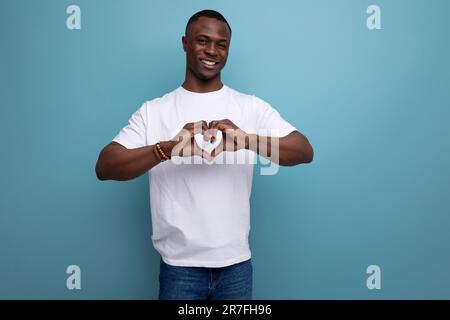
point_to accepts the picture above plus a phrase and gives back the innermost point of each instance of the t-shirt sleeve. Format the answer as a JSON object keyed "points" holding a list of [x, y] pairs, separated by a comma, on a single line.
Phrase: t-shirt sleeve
{"points": [[133, 135], [269, 120]]}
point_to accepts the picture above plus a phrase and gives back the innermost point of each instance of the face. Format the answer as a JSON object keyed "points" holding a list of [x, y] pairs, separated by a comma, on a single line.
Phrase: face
{"points": [[206, 46]]}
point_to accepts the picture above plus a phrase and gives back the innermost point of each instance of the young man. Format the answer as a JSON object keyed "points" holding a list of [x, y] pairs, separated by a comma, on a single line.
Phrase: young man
{"points": [[200, 207]]}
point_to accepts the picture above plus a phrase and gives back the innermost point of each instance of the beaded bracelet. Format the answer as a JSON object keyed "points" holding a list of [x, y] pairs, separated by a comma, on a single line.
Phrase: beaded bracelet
{"points": [[161, 152]]}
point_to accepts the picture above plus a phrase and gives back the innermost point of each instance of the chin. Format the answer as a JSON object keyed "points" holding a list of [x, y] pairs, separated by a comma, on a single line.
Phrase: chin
{"points": [[207, 77], [204, 76], [210, 78]]}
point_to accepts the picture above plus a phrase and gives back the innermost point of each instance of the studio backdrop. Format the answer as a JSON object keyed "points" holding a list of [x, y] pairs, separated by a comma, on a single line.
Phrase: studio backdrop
{"points": [[368, 82]]}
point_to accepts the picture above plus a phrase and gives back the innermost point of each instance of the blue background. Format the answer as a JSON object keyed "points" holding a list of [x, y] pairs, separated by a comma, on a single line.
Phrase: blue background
{"points": [[374, 105]]}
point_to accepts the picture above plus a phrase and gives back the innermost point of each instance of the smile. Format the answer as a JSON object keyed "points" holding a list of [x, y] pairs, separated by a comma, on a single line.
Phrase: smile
{"points": [[208, 63]]}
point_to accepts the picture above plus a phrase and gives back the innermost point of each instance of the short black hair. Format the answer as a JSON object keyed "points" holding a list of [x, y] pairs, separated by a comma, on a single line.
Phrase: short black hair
{"points": [[209, 14]]}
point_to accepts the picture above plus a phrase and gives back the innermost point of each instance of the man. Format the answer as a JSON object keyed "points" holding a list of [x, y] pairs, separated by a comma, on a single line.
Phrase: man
{"points": [[200, 207]]}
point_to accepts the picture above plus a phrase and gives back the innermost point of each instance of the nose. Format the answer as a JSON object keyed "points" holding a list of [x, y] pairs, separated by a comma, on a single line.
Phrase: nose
{"points": [[211, 49]]}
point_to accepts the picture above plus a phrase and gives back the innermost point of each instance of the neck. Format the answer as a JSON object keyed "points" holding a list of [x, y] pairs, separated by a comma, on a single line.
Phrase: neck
{"points": [[194, 84]]}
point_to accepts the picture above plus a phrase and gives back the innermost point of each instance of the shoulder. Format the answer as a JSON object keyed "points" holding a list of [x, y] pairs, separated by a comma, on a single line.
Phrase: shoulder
{"points": [[250, 100], [255, 104], [155, 103]]}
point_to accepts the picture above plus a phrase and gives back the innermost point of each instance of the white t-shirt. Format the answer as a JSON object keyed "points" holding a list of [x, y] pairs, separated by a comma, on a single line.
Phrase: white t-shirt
{"points": [[201, 212]]}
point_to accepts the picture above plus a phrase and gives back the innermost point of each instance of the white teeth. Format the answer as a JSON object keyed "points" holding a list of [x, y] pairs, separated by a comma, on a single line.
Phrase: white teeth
{"points": [[209, 63]]}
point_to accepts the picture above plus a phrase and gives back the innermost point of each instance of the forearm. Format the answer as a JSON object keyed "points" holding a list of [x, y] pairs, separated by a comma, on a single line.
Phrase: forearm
{"points": [[287, 151], [115, 164]]}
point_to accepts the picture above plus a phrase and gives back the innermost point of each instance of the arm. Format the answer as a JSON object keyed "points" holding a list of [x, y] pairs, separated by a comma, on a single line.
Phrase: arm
{"points": [[292, 149], [116, 162]]}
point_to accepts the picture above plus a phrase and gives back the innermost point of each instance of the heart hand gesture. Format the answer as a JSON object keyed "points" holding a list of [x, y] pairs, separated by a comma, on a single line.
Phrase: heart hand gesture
{"points": [[186, 145], [233, 139]]}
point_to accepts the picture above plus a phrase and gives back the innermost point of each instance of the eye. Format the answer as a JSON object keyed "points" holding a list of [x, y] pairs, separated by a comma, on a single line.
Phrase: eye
{"points": [[202, 41]]}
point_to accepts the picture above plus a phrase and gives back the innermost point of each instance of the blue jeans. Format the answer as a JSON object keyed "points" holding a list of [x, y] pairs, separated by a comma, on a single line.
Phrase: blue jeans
{"points": [[195, 283]]}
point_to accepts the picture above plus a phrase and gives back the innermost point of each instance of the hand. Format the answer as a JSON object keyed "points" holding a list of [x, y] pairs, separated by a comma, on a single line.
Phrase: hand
{"points": [[233, 138], [185, 144]]}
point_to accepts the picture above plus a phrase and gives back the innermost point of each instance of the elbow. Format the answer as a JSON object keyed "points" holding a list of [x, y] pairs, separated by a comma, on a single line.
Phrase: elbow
{"points": [[99, 172], [304, 149], [307, 155], [310, 155]]}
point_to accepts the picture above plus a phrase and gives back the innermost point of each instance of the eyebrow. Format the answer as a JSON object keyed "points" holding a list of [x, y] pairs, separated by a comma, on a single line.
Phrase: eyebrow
{"points": [[206, 36]]}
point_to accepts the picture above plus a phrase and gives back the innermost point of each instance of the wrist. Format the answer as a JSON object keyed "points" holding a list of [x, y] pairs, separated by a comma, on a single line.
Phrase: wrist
{"points": [[167, 147], [251, 142]]}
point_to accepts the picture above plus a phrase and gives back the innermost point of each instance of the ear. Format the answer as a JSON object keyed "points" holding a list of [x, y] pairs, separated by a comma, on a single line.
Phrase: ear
{"points": [[184, 42]]}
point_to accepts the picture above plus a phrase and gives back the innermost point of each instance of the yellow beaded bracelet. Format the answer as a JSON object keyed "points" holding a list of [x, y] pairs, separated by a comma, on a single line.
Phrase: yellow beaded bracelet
{"points": [[161, 152]]}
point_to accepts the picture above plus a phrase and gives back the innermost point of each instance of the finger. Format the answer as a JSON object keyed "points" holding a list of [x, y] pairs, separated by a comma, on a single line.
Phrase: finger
{"points": [[182, 139], [186, 133], [227, 123], [213, 124], [198, 127], [217, 150], [205, 131], [207, 134], [213, 134], [219, 126], [204, 127], [207, 156], [202, 153]]}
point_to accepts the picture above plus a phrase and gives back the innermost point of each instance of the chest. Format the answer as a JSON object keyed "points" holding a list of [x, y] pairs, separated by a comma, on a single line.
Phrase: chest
{"points": [[166, 122]]}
